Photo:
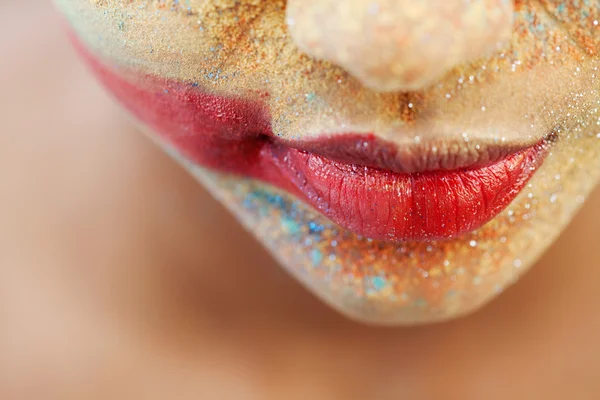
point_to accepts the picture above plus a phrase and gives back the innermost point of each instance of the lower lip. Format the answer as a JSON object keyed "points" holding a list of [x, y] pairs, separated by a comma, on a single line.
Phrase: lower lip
{"points": [[232, 135]]}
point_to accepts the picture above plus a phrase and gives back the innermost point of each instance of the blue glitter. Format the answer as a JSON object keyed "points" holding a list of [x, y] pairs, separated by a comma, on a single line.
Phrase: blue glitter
{"points": [[313, 227], [276, 200], [379, 282], [316, 256], [290, 225]]}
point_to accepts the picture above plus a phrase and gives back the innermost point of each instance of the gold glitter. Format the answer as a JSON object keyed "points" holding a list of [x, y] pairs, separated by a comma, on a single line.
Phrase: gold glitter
{"points": [[545, 80], [243, 49]]}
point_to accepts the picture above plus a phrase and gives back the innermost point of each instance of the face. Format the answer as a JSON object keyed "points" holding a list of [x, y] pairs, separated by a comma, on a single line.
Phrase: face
{"points": [[399, 186]]}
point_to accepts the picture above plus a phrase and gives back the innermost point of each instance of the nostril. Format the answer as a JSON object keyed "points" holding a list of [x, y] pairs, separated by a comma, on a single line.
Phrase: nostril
{"points": [[393, 45]]}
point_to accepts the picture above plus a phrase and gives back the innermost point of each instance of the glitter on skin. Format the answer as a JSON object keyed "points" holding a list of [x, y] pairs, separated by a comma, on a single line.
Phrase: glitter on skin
{"points": [[403, 44], [469, 275], [253, 56]]}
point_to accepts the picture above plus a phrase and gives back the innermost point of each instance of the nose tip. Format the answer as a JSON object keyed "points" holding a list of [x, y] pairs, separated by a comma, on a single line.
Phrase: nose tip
{"points": [[399, 45]]}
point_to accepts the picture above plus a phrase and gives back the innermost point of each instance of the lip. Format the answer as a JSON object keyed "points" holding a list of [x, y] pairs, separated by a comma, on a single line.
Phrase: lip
{"points": [[418, 192]]}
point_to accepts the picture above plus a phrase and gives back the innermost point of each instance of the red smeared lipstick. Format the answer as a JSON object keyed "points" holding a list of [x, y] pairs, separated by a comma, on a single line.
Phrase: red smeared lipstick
{"points": [[365, 185]]}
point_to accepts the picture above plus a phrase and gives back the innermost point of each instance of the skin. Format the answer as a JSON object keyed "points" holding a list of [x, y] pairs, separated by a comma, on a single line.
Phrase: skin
{"points": [[165, 309], [397, 45], [543, 81]]}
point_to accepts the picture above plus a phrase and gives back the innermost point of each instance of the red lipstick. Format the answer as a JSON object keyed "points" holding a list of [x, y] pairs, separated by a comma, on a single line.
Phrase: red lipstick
{"points": [[365, 185]]}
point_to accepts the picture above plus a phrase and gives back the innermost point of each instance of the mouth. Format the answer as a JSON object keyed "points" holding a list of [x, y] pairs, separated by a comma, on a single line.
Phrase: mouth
{"points": [[420, 191]]}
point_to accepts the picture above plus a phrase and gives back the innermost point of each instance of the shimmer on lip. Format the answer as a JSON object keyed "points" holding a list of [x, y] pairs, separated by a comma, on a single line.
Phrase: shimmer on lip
{"points": [[341, 177]]}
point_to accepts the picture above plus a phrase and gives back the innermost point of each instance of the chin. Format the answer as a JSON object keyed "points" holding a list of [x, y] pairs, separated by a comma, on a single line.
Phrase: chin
{"points": [[395, 209]]}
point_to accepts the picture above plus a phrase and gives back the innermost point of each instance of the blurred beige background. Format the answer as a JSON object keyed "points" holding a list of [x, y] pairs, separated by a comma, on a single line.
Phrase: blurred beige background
{"points": [[121, 279]]}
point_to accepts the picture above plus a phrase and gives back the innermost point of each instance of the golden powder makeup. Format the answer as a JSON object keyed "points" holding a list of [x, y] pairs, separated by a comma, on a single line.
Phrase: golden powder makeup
{"points": [[395, 207]]}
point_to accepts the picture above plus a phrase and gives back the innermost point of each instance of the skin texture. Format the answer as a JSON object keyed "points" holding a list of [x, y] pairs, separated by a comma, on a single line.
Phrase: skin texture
{"points": [[395, 45], [543, 83], [165, 308]]}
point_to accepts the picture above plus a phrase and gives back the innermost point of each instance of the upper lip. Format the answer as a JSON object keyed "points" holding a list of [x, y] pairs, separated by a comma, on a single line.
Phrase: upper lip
{"points": [[238, 120], [434, 195], [419, 156]]}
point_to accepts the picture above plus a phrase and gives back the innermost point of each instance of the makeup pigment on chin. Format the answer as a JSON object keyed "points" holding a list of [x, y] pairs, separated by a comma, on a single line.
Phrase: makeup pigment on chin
{"points": [[394, 206]]}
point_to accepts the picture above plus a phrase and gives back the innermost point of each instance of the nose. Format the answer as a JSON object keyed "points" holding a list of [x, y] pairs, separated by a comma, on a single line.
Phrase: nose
{"points": [[399, 45]]}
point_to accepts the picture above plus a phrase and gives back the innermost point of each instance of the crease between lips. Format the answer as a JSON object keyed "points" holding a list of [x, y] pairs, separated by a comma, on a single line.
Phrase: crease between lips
{"points": [[233, 136], [428, 155]]}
